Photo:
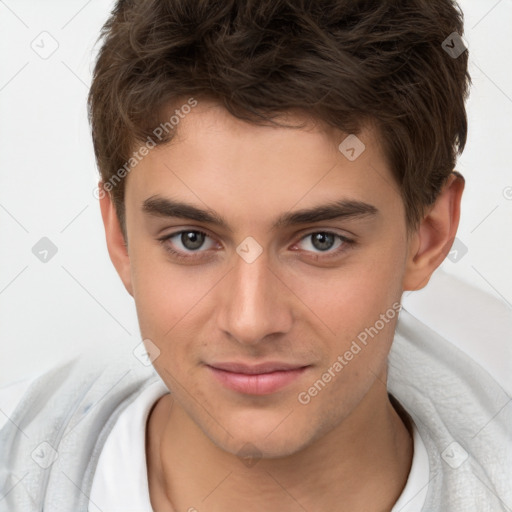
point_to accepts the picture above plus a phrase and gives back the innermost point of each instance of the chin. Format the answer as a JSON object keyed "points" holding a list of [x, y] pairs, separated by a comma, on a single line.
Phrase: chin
{"points": [[259, 447], [269, 438]]}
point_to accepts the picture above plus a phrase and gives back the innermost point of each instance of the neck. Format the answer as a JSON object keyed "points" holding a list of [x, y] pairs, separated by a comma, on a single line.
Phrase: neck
{"points": [[361, 465]]}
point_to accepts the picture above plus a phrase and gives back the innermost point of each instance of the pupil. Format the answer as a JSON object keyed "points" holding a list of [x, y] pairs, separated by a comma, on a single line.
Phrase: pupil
{"points": [[321, 238], [192, 239]]}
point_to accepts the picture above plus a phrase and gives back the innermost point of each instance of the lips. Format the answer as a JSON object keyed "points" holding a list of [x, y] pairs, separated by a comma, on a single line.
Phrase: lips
{"points": [[259, 379], [256, 368]]}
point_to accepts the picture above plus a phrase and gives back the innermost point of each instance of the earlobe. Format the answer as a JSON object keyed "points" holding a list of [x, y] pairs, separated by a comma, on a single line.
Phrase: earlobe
{"points": [[432, 241], [116, 244]]}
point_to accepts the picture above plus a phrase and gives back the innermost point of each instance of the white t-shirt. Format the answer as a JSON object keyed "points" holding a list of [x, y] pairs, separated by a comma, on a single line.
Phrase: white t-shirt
{"points": [[121, 482]]}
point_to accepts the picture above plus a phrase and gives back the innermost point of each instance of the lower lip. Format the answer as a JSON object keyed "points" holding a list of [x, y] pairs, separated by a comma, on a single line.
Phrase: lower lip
{"points": [[257, 384]]}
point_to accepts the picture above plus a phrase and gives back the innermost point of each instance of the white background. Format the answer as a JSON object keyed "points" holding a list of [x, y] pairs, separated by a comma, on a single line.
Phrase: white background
{"points": [[75, 302]]}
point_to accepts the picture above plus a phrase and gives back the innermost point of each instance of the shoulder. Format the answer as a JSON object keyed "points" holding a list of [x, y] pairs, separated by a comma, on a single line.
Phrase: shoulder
{"points": [[80, 379], [62, 380], [10, 396], [477, 323], [458, 397], [451, 351], [59, 420]]}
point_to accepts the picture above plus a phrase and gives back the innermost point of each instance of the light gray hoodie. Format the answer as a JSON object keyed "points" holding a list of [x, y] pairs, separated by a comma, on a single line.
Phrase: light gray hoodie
{"points": [[49, 448]]}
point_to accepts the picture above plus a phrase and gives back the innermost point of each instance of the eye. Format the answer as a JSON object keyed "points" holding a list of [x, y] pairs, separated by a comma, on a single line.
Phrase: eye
{"points": [[190, 240], [322, 242], [186, 244]]}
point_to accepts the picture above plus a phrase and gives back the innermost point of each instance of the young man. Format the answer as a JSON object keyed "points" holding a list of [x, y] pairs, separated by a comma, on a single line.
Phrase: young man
{"points": [[274, 175]]}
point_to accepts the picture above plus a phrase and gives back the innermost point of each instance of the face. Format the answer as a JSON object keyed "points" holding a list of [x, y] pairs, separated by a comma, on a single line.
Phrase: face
{"points": [[315, 293]]}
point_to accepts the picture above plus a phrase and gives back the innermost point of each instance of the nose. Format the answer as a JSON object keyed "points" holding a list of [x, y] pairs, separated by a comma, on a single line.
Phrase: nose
{"points": [[254, 303]]}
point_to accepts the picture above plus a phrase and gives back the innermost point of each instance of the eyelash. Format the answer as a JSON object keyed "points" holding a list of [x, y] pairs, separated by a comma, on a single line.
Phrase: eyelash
{"points": [[345, 246]]}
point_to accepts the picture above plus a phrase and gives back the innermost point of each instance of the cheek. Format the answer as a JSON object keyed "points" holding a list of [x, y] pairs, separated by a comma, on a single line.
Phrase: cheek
{"points": [[173, 303], [162, 294], [363, 320], [351, 297], [359, 303]]}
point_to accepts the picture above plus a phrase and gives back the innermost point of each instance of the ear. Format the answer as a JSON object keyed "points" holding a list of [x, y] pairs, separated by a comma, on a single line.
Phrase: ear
{"points": [[431, 242], [117, 247]]}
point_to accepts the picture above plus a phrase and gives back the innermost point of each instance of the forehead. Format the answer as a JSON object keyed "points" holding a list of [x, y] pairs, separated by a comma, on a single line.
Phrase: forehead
{"points": [[209, 123], [220, 161]]}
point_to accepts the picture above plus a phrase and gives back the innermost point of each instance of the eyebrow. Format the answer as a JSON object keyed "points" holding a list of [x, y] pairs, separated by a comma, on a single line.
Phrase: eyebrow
{"points": [[342, 209]]}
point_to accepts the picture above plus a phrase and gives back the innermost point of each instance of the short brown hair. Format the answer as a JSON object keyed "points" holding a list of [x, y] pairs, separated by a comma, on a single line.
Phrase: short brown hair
{"points": [[342, 62]]}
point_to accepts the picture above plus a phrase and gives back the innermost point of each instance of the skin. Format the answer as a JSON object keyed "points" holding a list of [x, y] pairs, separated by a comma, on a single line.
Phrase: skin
{"points": [[347, 449]]}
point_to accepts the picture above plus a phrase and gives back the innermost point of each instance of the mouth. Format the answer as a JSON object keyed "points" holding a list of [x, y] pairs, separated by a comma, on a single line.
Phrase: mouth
{"points": [[260, 379]]}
